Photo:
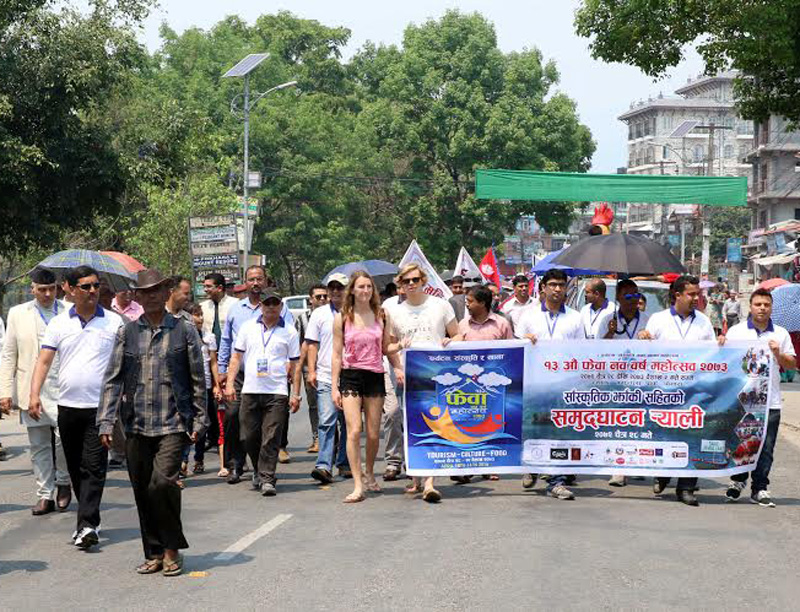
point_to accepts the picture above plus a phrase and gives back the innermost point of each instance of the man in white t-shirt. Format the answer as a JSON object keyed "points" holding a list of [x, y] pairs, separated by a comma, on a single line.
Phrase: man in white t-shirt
{"points": [[598, 311], [759, 326], [421, 320], [684, 323], [517, 304], [319, 338], [553, 320], [83, 338], [270, 349]]}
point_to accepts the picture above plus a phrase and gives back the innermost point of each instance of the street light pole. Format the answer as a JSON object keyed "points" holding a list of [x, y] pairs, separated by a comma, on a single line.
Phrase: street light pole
{"points": [[245, 189]]}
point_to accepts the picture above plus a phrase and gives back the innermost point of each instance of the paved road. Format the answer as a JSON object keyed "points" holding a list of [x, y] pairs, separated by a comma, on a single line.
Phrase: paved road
{"points": [[486, 545]]}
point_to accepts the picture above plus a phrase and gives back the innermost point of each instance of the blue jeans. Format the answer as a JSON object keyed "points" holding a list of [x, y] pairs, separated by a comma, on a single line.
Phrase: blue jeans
{"points": [[328, 417], [761, 473]]}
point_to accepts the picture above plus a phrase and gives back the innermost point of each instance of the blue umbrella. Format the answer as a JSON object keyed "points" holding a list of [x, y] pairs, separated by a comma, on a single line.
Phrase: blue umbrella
{"points": [[117, 276], [381, 271], [786, 306], [546, 263]]}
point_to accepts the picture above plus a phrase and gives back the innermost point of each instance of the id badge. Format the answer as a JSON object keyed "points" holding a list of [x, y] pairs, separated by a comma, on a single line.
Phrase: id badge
{"points": [[262, 368]]}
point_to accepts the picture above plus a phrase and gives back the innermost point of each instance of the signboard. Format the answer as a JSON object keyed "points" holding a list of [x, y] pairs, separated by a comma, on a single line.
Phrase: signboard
{"points": [[214, 246], [252, 206], [734, 250]]}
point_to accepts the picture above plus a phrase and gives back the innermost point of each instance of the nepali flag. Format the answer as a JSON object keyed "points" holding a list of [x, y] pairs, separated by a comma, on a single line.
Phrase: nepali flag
{"points": [[488, 268]]}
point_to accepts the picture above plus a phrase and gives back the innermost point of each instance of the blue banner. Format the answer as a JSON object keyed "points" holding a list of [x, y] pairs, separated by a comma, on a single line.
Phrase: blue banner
{"points": [[734, 254], [591, 407]]}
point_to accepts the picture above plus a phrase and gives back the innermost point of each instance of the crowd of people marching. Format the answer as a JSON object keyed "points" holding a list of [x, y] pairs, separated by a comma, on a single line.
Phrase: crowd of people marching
{"points": [[148, 380]]}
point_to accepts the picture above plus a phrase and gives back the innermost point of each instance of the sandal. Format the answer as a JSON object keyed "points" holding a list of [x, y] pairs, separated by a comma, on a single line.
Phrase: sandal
{"points": [[198, 468], [174, 567], [223, 473], [353, 498], [432, 496], [150, 566], [413, 489], [373, 487]]}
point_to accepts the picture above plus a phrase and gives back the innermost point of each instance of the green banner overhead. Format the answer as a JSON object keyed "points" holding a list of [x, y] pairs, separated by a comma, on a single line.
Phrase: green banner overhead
{"points": [[575, 187]]}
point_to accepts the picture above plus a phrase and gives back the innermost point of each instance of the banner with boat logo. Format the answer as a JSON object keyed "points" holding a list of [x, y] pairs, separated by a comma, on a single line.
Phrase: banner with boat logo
{"points": [[586, 407]]}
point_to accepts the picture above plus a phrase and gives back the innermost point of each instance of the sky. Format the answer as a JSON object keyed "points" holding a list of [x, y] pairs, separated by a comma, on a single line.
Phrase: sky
{"points": [[602, 91]]}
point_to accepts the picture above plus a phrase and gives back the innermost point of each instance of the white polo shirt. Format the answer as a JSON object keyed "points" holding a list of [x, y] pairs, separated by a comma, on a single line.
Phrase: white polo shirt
{"points": [[540, 322], [629, 330], [320, 330], [747, 331], [669, 325], [84, 350], [266, 353], [513, 308], [595, 322]]}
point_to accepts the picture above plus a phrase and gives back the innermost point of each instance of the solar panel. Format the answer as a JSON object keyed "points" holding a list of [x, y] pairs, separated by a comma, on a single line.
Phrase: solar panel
{"points": [[247, 65], [684, 128]]}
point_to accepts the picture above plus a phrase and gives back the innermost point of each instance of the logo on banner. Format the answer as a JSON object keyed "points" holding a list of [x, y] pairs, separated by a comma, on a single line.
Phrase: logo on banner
{"points": [[470, 407]]}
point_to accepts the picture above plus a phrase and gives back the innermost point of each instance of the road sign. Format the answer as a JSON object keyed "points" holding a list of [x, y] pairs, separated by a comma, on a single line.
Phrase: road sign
{"points": [[214, 246]]}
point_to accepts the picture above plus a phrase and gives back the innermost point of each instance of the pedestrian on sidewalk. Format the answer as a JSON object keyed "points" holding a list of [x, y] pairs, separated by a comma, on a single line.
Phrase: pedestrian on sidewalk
{"points": [[319, 297], [26, 326], [155, 379], [270, 350], [82, 338], [759, 326], [208, 347]]}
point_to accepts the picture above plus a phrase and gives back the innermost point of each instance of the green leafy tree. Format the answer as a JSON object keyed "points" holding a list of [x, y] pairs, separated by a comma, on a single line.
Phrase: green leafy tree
{"points": [[758, 38]]}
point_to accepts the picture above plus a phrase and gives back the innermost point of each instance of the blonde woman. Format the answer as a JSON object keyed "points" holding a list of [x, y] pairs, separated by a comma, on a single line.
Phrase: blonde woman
{"points": [[360, 339]]}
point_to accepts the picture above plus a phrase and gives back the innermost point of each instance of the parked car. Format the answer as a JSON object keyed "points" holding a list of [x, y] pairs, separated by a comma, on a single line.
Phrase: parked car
{"points": [[657, 294], [297, 304]]}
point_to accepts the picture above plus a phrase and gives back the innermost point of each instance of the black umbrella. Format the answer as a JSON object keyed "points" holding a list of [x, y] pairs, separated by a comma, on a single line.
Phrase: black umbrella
{"points": [[620, 253]]}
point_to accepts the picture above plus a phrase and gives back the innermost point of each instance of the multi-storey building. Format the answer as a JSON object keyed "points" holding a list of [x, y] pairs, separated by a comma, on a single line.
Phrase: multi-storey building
{"points": [[654, 148]]}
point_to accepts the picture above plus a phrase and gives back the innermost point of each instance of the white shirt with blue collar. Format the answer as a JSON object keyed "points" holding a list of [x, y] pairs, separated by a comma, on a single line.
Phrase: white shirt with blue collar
{"points": [[669, 325], [595, 322], [629, 330], [566, 324]]}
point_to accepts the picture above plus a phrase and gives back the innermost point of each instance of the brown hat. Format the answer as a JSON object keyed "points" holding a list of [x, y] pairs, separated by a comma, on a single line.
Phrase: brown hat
{"points": [[149, 278]]}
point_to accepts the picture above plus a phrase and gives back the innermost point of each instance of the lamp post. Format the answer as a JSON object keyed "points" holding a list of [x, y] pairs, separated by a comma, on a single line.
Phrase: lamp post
{"points": [[243, 70]]}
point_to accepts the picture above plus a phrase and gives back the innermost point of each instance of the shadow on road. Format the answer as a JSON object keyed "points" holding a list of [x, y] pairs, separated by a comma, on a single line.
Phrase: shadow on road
{"points": [[7, 567]]}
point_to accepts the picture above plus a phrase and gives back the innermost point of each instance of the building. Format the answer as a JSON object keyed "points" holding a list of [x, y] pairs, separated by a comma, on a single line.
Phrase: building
{"points": [[657, 146], [529, 240]]}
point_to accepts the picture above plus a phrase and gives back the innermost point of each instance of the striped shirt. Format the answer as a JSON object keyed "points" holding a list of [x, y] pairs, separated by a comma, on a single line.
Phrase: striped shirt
{"points": [[155, 412]]}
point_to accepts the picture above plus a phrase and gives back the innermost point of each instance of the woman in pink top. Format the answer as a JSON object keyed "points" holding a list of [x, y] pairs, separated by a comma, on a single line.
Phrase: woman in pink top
{"points": [[360, 339]]}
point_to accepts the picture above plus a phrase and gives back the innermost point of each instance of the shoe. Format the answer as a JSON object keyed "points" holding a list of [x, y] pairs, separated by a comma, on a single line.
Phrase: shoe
{"points": [[234, 477], [528, 481], [687, 497], [268, 489], [391, 473], [284, 456], [322, 475], [115, 464], [735, 489], [256, 482], [461, 479], [43, 506], [63, 497], [184, 468], [199, 467], [762, 498], [3, 453], [618, 480], [658, 487], [571, 479], [345, 472], [86, 538], [314, 448], [561, 492]]}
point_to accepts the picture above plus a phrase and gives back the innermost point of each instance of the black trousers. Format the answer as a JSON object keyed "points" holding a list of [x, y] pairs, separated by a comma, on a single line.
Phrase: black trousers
{"points": [[263, 416], [234, 447], [211, 412], [285, 431], [87, 461], [684, 484], [153, 467]]}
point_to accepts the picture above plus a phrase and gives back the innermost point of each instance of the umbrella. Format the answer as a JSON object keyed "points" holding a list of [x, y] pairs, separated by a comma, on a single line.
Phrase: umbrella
{"points": [[131, 264], [381, 271], [786, 306], [773, 283], [620, 253], [112, 271], [546, 263]]}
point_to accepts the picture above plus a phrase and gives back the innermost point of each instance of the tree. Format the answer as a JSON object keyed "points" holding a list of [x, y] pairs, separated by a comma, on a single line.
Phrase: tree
{"points": [[760, 39], [58, 162]]}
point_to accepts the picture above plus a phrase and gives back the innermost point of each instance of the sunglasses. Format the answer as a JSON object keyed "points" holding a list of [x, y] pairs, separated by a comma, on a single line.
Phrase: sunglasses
{"points": [[88, 286], [633, 296], [411, 281], [320, 297]]}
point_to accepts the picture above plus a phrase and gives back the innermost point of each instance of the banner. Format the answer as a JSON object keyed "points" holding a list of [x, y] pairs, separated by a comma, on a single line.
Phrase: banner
{"points": [[586, 407], [435, 284], [466, 267]]}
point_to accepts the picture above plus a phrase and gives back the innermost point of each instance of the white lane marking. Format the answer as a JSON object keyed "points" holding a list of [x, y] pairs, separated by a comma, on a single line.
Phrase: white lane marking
{"points": [[252, 537]]}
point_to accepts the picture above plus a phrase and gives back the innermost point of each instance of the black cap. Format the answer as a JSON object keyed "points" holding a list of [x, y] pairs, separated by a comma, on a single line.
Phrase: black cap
{"points": [[269, 294]]}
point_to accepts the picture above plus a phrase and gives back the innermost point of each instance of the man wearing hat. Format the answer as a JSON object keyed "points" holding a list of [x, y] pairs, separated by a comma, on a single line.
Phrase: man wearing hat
{"points": [[26, 325], [269, 349], [156, 379]]}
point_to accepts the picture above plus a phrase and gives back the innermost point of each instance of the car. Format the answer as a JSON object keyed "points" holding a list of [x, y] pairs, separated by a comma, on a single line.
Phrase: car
{"points": [[297, 304], [657, 294]]}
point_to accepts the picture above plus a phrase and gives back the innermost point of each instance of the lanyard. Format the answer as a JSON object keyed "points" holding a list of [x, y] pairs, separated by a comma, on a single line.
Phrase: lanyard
{"points": [[680, 327], [41, 314], [625, 326], [266, 344], [593, 320], [550, 317]]}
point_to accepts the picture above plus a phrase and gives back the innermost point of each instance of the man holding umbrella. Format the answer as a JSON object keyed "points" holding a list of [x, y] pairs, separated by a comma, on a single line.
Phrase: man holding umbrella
{"points": [[156, 379], [681, 322]]}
